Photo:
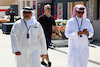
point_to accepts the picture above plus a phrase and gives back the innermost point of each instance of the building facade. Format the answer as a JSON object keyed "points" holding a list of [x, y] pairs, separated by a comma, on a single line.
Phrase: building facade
{"points": [[31, 3], [6, 2], [96, 19], [71, 5]]}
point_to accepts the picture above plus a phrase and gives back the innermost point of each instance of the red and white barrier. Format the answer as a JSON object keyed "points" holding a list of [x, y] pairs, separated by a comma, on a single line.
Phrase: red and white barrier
{"points": [[2, 10]]}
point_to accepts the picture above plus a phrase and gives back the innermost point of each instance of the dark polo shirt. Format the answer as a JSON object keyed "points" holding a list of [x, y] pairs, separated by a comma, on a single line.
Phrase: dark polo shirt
{"points": [[47, 25]]}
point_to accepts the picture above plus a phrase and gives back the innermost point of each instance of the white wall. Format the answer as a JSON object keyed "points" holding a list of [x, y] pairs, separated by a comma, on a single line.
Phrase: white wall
{"points": [[96, 25], [2, 13]]}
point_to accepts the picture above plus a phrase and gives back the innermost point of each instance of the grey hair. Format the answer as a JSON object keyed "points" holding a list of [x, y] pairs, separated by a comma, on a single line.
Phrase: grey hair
{"points": [[46, 6]]}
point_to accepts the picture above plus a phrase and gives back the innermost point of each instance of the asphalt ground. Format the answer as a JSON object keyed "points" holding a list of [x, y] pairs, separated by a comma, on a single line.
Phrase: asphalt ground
{"points": [[57, 55]]}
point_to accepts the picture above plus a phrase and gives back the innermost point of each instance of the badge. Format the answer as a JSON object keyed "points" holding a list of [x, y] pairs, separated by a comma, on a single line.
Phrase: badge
{"points": [[80, 35], [27, 36]]}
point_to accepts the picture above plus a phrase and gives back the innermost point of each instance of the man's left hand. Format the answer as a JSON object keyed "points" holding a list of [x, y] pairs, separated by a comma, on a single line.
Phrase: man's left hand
{"points": [[86, 33], [60, 36]]}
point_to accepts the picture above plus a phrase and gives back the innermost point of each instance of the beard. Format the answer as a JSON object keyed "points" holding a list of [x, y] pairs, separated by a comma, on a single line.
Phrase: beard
{"points": [[26, 17], [80, 16]]}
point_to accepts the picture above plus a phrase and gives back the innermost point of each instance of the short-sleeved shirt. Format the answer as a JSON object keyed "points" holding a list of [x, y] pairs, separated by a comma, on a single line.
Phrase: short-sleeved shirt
{"points": [[47, 23]]}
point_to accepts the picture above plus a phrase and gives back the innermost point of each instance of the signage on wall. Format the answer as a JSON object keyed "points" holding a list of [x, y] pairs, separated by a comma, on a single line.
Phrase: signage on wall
{"points": [[34, 4], [39, 5], [60, 11]]}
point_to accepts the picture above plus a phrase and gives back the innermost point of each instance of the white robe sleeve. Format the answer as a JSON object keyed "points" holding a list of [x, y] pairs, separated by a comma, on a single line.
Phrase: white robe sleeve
{"points": [[69, 33], [42, 41], [14, 38], [90, 30]]}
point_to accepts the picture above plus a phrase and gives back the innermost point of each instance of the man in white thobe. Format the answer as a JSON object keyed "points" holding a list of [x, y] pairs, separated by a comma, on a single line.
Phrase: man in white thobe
{"points": [[78, 30], [28, 40]]}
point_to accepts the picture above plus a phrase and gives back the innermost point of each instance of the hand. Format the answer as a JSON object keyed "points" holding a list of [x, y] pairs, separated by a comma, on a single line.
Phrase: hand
{"points": [[18, 53], [80, 32], [85, 32], [41, 55], [60, 36]]}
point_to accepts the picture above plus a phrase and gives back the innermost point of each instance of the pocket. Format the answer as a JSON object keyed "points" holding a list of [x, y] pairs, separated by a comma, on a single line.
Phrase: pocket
{"points": [[34, 33]]}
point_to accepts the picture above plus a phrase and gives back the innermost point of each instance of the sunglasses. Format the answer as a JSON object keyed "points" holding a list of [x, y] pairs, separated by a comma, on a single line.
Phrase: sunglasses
{"points": [[80, 12], [48, 8], [27, 12]]}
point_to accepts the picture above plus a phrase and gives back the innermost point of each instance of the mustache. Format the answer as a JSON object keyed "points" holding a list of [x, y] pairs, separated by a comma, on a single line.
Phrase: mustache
{"points": [[26, 16]]}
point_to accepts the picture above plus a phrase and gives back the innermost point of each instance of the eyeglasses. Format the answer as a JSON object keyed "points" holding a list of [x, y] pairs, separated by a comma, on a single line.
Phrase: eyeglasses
{"points": [[48, 8], [27, 12], [80, 12]]}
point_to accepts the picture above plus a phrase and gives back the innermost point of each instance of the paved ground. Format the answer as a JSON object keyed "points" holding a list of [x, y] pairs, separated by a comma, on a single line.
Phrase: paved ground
{"points": [[58, 55]]}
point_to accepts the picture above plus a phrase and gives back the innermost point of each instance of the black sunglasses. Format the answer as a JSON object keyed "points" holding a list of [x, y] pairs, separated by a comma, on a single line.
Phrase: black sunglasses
{"points": [[48, 8], [27, 12], [80, 12]]}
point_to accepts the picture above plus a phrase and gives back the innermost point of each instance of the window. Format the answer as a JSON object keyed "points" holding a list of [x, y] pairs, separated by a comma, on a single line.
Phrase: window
{"points": [[28, 3], [23, 3]]}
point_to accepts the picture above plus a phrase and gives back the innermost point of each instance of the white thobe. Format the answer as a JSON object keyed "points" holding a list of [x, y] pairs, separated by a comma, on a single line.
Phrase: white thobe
{"points": [[78, 51], [30, 48]]}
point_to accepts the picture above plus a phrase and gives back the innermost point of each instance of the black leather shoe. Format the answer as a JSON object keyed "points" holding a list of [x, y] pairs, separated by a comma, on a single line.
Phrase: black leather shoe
{"points": [[49, 64], [43, 63]]}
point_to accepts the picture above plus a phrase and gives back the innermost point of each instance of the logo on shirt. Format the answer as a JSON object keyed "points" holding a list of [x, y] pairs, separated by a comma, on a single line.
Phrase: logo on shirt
{"points": [[35, 27]]}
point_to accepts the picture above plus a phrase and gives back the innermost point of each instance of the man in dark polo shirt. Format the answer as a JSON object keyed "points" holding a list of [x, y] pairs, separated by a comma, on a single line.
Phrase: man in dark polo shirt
{"points": [[47, 20], [12, 14]]}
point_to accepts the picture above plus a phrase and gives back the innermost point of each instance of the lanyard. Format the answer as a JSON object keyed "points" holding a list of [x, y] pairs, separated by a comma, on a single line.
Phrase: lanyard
{"points": [[79, 27], [27, 29]]}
